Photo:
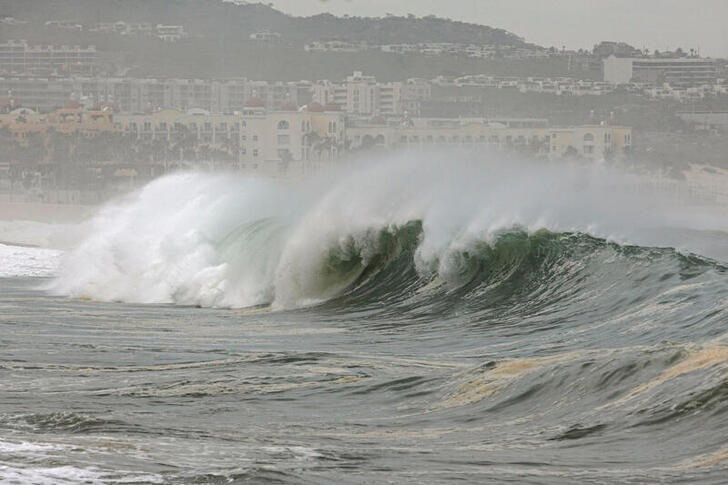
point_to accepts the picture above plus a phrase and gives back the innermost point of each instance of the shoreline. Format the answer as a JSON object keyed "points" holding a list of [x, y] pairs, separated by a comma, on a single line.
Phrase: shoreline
{"points": [[44, 212]]}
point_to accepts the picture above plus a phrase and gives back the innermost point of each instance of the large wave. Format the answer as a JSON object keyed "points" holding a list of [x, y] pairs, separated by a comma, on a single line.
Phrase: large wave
{"points": [[391, 229]]}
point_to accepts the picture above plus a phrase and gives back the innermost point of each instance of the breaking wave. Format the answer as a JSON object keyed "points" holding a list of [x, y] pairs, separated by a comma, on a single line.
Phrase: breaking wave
{"points": [[424, 230]]}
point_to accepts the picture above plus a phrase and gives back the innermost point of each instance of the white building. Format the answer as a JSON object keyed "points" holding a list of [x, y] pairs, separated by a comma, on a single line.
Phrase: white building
{"points": [[532, 137], [170, 33], [678, 72], [363, 96], [255, 138]]}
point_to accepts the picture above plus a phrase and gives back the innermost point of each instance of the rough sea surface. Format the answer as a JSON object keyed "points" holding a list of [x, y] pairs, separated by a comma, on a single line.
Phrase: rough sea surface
{"points": [[493, 325]]}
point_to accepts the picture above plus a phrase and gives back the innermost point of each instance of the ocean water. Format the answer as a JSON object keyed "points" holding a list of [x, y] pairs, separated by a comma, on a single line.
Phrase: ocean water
{"points": [[417, 320]]}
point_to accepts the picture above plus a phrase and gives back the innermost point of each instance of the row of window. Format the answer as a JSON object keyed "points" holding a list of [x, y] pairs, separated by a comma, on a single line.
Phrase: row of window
{"points": [[223, 126]]}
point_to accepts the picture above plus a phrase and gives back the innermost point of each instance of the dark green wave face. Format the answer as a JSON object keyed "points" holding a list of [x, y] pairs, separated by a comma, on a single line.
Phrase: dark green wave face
{"points": [[515, 275]]}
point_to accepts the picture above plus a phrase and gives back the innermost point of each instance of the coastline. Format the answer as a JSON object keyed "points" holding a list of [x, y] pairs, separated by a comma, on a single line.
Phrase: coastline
{"points": [[43, 212]]}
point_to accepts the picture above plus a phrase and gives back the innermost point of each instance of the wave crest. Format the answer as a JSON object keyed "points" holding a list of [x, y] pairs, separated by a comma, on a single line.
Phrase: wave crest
{"points": [[391, 229]]}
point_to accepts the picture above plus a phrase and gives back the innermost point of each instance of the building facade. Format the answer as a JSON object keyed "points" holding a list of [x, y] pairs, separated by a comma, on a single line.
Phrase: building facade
{"points": [[19, 57], [678, 72], [253, 136], [134, 95], [532, 137]]}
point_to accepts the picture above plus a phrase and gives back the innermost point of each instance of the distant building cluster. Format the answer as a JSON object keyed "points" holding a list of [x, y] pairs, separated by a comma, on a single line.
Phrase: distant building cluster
{"points": [[12, 21], [561, 86], [358, 95], [478, 51], [257, 138], [167, 33]]}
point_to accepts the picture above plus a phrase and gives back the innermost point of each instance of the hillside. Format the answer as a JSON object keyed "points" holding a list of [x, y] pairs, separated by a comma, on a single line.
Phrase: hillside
{"points": [[218, 42], [215, 18]]}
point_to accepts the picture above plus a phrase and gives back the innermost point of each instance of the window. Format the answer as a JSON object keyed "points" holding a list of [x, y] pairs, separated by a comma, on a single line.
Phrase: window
{"points": [[284, 139], [255, 137], [255, 152], [283, 125], [588, 138]]}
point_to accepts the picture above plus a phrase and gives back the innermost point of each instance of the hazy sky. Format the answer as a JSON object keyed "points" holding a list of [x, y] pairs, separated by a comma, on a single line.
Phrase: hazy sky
{"points": [[655, 24]]}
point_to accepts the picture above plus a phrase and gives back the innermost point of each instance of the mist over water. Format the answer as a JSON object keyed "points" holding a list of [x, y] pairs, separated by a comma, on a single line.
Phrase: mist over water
{"points": [[232, 241]]}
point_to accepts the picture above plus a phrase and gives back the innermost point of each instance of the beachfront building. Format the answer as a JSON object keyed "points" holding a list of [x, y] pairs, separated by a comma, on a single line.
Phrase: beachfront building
{"points": [[531, 137], [255, 138], [24, 123]]}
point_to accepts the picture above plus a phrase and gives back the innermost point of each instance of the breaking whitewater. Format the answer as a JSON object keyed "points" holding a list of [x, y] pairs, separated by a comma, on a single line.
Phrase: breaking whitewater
{"points": [[416, 319]]}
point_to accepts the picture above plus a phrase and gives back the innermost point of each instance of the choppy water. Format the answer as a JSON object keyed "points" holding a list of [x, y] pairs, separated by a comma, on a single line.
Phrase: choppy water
{"points": [[484, 327]]}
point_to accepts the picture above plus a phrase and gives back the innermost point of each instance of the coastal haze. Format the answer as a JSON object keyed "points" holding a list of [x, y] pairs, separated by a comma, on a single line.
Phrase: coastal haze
{"points": [[361, 242]]}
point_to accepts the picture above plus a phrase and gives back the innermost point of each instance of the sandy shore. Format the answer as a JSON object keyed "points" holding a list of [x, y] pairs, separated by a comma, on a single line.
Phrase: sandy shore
{"points": [[49, 213]]}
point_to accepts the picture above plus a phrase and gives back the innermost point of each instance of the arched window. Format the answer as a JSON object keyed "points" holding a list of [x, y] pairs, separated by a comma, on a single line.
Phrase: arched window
{"points": [[283, 125], [588, 137]]}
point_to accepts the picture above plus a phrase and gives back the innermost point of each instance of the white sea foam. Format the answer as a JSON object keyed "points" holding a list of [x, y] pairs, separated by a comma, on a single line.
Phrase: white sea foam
{"points": [[22, 462], [16, 261], [226, 240]]}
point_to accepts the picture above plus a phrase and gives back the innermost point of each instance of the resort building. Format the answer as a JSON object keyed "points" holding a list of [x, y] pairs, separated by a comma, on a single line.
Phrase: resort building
{"points": [[253, 136], [533, 137]]}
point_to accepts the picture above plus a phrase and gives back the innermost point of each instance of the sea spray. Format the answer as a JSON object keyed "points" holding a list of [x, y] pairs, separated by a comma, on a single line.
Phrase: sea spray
{"points": [[235, 241]]}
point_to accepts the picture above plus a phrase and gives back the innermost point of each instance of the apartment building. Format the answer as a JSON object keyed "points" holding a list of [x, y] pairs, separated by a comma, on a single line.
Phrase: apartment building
{"points": [[142, 95], [363, 96], [19, 57]]}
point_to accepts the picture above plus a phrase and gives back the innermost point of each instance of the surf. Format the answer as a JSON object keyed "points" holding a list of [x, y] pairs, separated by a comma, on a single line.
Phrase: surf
{"points": [[421, 220]]}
